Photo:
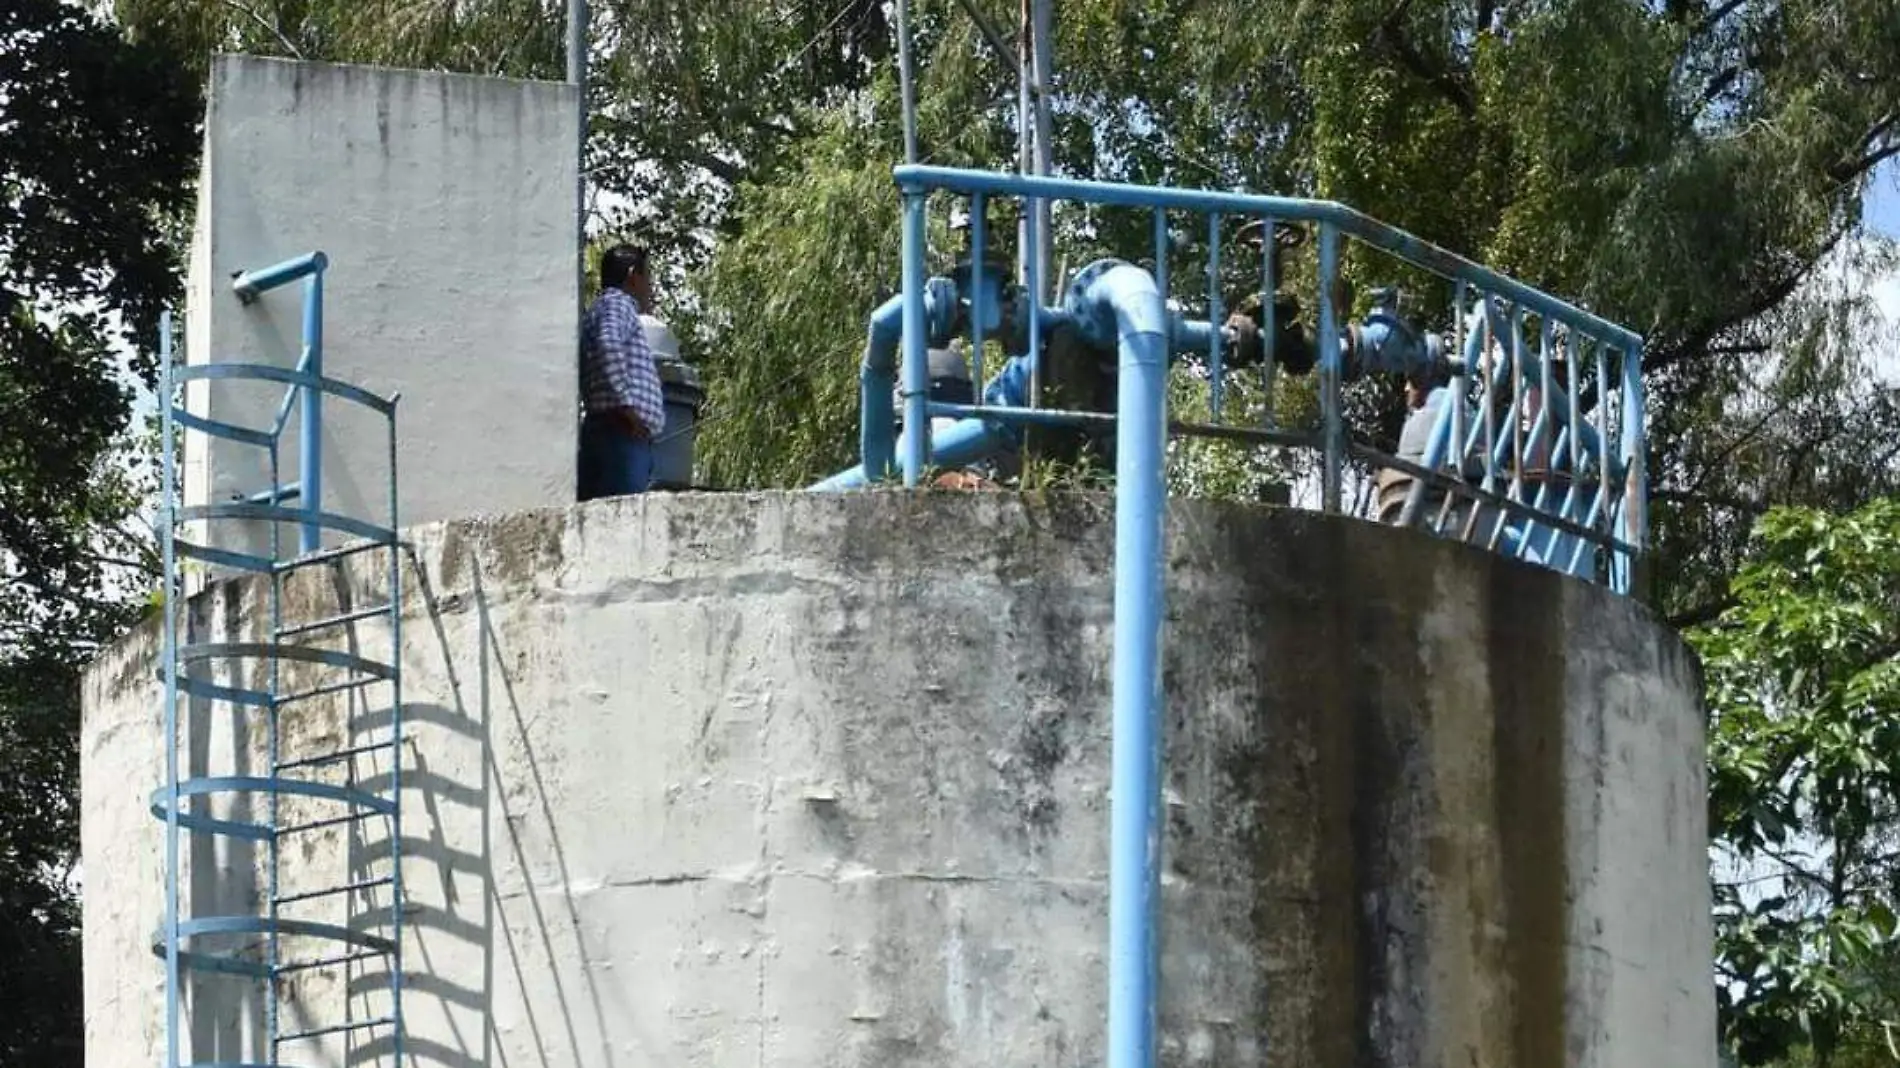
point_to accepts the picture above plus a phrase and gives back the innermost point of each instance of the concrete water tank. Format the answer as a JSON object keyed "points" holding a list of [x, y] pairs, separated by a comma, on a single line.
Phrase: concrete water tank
{"points": [[821, 780]]}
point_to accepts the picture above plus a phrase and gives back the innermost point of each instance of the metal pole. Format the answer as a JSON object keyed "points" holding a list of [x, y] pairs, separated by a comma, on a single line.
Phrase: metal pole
{"points": [[1025, 133], [906, 87], [916, 366], [310, 429], [1042, 42]]}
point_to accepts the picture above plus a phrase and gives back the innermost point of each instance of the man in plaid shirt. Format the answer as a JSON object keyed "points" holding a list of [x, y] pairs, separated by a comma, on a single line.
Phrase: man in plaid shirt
{"points": [[620, 386]]}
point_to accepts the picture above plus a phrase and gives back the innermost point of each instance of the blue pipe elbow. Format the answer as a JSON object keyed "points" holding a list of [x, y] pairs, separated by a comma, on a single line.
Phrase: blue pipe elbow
{"points": [[877, 424], [877, 378], [964, 442]]}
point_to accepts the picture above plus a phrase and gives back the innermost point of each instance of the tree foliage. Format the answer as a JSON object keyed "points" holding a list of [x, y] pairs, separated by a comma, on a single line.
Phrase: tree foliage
{"points": [[1692, 168], [95, 141], [1803, 683]]}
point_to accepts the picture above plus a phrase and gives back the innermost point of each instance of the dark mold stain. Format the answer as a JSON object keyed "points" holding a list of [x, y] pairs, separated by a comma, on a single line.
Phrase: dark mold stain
{"points": [[1526, 655]]}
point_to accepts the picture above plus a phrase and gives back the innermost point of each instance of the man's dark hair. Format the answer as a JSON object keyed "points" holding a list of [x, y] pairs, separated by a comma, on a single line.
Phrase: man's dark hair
{"points": [[619, 262]]}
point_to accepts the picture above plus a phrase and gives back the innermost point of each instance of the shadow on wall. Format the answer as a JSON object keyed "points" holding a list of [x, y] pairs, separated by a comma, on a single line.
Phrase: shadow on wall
{"points": [[473, 944]]}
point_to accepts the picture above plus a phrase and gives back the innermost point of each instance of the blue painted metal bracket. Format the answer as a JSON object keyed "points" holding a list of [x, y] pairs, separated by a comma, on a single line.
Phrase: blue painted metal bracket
{"points": [[249, 285]]}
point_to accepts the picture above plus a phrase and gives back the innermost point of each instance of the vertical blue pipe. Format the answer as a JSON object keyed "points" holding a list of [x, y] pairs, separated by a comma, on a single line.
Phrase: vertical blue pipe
{"points": [[916, 367], [1330, 365], [1216, 390], [979, 231], [1135, 787], [310, 430], [877, 378], [172, 594], [1032, 208], [1267, 313]]}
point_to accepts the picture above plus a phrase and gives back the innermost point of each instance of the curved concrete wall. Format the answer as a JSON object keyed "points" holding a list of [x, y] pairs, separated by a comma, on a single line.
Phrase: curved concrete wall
{"points": [[798, 780]]}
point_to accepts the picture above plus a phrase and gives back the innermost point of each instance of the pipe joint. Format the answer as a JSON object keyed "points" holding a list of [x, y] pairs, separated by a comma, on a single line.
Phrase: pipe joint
{"points": [[1112, 298], [1385, 343], [941, 310]]}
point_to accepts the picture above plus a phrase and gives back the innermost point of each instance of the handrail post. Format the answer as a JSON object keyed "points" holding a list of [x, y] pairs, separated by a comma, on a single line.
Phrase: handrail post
{"points": [[916, 366], [1331, 367], [310, 428], [1635, 526]]}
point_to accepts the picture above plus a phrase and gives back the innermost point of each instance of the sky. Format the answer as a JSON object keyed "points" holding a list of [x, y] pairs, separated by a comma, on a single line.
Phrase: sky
{"points": [[1881, 212]]}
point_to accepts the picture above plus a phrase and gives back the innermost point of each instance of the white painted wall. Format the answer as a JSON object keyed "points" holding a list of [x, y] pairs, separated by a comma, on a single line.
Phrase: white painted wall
{"points": [[446, 206]]}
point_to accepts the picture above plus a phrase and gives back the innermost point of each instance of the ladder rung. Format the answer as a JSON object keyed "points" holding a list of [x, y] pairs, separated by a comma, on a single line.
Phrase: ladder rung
{"points": [[311, 895], [325, 691], [334, 621], [327, 555], [336, 757], [287, 491], [315, 825], [223, 557], [330, 961], [333, 1029]]}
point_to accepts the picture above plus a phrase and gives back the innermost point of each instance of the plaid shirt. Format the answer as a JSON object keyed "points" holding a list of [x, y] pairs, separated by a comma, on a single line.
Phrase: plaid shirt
{"points": [[617, 368]]}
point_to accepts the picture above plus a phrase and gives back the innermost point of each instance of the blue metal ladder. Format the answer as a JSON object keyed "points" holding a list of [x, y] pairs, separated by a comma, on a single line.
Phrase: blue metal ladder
{"points": [[293, 939]]}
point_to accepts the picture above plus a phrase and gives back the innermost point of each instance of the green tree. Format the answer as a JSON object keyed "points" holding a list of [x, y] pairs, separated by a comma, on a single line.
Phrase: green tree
{"points": [[1803, 683], [95, 141]]}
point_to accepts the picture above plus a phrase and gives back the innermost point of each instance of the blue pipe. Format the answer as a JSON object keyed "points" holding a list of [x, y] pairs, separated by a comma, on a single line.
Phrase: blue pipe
{"points": [[1127, 296], [877, 427], [877, 432], [963, 442], [310, 429]]}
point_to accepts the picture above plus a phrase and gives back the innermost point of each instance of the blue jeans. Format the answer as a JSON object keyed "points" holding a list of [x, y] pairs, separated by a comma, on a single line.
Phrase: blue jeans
{"points": [[613, 462]]}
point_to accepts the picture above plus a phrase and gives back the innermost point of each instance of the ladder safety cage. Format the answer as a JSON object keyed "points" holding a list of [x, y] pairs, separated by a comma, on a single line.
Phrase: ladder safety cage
{"points": [[352, 924]]}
